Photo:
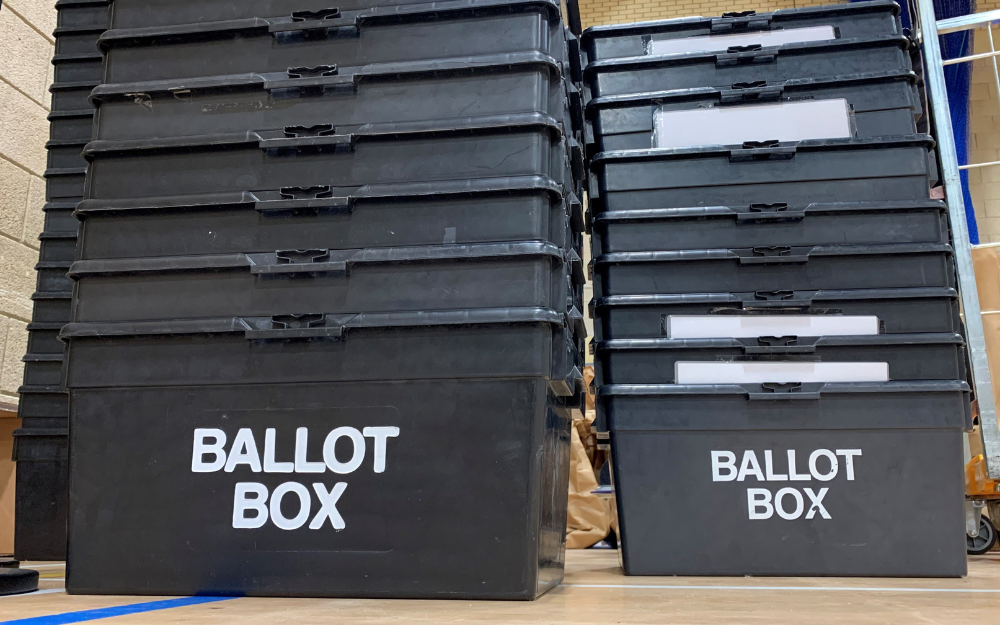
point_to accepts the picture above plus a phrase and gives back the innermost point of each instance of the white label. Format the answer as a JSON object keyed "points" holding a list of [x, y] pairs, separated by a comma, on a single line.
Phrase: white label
{"points": [[752, 326], [732, 125], [721, 43], [779, 372]]}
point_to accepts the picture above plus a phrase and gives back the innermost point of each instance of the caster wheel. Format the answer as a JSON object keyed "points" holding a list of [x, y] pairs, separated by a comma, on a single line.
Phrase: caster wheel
{"points": [[17, 581], [984, 541]]}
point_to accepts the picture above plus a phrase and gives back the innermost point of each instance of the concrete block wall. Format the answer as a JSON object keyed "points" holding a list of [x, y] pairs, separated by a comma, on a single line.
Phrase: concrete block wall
{"points": [[26, 47]]}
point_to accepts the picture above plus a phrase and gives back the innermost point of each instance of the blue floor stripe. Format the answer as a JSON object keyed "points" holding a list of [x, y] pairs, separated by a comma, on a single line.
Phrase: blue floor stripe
{"points": [[122, 610]]}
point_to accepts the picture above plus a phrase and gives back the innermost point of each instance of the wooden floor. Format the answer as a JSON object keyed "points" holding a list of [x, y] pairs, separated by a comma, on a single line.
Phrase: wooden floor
{"points": [[594, 591]]}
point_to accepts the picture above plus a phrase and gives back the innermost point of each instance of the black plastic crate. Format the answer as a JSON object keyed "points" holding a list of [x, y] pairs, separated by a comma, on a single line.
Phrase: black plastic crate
{"points": [[472, 211], [406, 525], [52, 276], [57, 247], [78, 67], [900, 311], [487, 275], [798, 173], [775, 268], [713, 227], [503, 145], [64, 184], [42, 486], [909, 356], [71, 125], [274, 43], [72, 96], [78, 40], [43, 336], [42, 402], [42, 369], [66, 154], [898, 449], [505, 342], [497, 84], [880, 104], [59, 217], [51, 307], [750, 64], [77, 14], [857, 19]]}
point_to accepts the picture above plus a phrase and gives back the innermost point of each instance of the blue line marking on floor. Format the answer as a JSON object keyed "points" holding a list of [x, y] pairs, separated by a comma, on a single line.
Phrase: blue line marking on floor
{"points": [[121, 610]]}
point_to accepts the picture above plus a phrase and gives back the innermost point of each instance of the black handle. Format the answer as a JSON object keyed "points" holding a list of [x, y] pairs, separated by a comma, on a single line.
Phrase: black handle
{"points": [[296, 327], [309, 262], [305, 202], [769, 213], [756, 151], [753, 54], [783, 392], [757, 91], [773, 255], [317, 137], [312, 80], [740, 21], [322, 14], [778, 345], [314, 23]]}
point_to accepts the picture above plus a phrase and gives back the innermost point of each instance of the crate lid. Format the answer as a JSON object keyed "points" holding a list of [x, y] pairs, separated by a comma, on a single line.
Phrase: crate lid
{"points": [[326, 261], [766, 345], [776, 254], [304, 21], [331, 136], [762, 150], [327, 76], [931, 404], [293, 199], [773, 212], [315, 325], [755, 92], [770, 300]]}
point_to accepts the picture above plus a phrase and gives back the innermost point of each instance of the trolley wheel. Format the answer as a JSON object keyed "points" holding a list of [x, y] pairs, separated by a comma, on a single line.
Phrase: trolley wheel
{"points": [[984, 541]]}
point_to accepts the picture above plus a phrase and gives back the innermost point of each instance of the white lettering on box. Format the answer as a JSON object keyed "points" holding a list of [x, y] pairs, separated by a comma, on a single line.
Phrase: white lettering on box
{"points": [[254, 504], [787, 503]]}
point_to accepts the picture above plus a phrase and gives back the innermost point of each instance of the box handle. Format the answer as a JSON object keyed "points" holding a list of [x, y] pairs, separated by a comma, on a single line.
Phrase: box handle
{"points": [[767, 345], [773, 255], [783, 391], [739, 21], [314, 24], [305, 202], [753, 54], [297, 327], [312, 80], [767, 150], [769, 213], [317, 137], [757, 91], [310, 262]]}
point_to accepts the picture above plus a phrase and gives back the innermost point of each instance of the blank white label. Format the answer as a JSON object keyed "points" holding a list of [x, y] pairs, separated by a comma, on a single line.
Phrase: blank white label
{"points": [[751, 326], [721, 43], [732, 125], [779, 372]]}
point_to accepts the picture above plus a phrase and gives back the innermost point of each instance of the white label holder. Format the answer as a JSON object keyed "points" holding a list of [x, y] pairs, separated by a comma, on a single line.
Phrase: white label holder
{"points": [[721, 43], [752, 326], [733, 125], [779, 372]]}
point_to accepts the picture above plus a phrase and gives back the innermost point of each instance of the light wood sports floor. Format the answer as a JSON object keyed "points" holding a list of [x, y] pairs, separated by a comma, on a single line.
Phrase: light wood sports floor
{"points": [[594, 591]]}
